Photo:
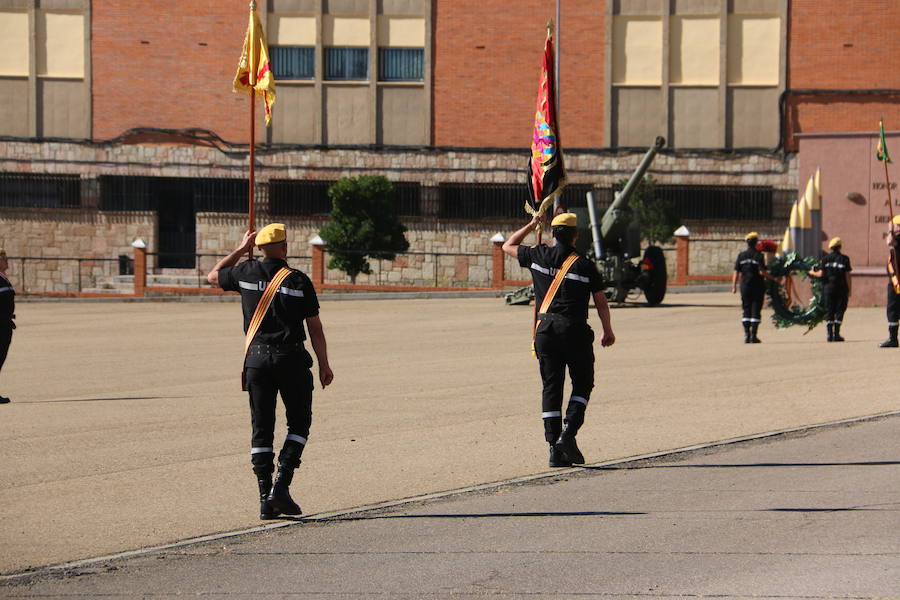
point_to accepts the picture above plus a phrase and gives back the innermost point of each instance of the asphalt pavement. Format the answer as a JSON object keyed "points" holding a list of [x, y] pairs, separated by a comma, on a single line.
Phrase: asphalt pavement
{"points": [[814, 514]]}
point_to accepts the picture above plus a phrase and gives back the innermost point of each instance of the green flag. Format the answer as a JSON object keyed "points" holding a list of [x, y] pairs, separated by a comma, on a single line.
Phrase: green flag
{"points": [[881, 152]]}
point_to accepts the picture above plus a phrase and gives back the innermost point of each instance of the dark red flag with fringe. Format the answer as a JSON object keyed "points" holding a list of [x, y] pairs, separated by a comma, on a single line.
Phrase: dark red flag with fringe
{"points": [[546, 172]]}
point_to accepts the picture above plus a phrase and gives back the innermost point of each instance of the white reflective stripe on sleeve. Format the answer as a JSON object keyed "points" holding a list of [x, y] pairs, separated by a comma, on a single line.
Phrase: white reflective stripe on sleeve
{"points": [[540, 269], [251, 285], [295, 438], [578, 399], [550, 414], [261, 450], [290, 292], [5, 289], [577, 277]]}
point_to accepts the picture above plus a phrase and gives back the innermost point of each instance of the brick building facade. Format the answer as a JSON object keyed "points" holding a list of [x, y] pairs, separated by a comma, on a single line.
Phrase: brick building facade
{"points": [[729, 84]]}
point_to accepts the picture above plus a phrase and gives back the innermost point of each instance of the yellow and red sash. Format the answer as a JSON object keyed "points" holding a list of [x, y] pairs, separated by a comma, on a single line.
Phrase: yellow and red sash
{"points": [[259, 314], [551, 293]]}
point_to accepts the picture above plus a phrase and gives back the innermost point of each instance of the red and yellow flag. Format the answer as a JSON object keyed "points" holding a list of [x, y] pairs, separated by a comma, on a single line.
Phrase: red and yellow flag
{"points": [[546, 171], [254, 70]]}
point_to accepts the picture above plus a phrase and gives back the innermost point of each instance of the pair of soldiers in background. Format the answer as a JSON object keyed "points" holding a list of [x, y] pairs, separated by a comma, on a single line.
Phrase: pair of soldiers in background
{"points": [[751, 271]]}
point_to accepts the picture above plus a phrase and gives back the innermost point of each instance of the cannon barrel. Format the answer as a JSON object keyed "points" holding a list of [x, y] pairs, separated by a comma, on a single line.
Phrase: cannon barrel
{"points": [[617, 218]]}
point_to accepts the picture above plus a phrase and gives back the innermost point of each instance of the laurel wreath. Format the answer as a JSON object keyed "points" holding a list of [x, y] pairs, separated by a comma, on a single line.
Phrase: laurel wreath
{"points": [[786, 312]]}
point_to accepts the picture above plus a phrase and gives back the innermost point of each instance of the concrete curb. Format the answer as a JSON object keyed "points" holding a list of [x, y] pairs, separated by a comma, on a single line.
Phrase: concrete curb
{"points": [[335, 515]]}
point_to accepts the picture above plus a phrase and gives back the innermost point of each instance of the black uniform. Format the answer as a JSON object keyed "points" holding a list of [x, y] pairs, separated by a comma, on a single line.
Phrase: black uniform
{"points": [[277, 360], [750, 264], [563, 338], [893, 306], [835, 267], [7, 316]]}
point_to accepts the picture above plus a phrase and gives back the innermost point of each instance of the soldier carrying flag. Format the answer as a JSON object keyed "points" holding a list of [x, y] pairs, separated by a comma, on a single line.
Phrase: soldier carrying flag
{"points": [[893, 243]]}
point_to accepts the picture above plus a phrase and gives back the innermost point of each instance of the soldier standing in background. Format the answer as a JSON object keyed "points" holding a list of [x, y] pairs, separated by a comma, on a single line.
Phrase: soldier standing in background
{"points": [[835, 272], [749, 269], [7, 313], [276, 360]]}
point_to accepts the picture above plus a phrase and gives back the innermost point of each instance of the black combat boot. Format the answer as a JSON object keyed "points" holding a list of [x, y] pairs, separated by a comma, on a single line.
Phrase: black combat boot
{"points": [[830, 332], [280, 498], [4, 400], [570, 449], [837, 333], [266, 511], [891, 342], [746, 332], [558, 458], [753, 328]]}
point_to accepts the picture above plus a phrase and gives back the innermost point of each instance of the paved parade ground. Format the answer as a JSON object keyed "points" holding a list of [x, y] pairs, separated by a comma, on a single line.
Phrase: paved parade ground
{"points": [[128, 428]]}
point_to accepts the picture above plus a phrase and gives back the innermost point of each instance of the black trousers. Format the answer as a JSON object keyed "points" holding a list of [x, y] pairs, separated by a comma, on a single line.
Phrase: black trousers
{"points": [[752, 297], [560, 345], [893, 305], [835, 303], [5, 341], [267, 376]]}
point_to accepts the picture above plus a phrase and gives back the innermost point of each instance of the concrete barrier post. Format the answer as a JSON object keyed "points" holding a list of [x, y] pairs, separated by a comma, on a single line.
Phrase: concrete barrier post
{"points": [[498, 268], [317, 245], [682, 255], [140, 267]]}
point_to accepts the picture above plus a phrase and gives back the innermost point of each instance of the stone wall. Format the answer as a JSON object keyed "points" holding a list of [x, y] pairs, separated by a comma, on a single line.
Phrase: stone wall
{"points": [[37, 240], [445, 252]]}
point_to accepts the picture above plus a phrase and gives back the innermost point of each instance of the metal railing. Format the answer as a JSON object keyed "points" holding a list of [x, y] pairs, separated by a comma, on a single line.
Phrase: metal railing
{"points": [[60, 274]]}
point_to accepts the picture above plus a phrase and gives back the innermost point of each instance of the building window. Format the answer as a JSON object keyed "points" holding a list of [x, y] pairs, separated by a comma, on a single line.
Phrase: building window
{"points": [[347, 63], [401, 64], [292, 197], [720, 202], [409, 195], [40, 191], [293, 62], [482, 201]]}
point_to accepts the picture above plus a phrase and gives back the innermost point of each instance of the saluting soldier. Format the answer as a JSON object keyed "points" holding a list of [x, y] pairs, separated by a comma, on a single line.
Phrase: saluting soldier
{"points": [[7, 313], [749, 269], [835, 273], [893, 299], [276, 359], [563, 339]]}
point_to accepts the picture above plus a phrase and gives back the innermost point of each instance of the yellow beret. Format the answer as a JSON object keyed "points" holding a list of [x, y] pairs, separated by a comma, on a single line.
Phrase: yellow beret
{"points": [[567, 219], [835, 242], [271, 234], [751, 236], [896, 220]]}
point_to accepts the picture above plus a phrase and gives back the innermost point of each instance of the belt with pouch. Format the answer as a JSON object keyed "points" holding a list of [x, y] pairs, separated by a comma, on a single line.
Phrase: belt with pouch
{"points": [[275, 348], [560, 319]]}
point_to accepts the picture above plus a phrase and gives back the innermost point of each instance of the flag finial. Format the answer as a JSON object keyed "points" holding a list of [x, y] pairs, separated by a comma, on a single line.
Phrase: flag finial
{"points": [[252, 5], [550, 27]]}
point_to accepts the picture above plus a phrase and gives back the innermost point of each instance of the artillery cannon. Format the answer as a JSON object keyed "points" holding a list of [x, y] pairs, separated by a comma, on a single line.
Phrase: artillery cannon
{"points": [[616, 242]]}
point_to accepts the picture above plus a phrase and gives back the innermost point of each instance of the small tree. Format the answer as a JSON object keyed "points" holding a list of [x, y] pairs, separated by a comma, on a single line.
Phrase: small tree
{"points": [[657, 216], [363, 224]]}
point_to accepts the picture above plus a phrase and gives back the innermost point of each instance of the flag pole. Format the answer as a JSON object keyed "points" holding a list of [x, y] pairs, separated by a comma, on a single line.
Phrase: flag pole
{"points": [[251, 199]]}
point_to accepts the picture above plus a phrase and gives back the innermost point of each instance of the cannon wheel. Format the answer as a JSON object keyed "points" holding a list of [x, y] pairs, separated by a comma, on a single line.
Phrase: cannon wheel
{"points": [[654, 265]]}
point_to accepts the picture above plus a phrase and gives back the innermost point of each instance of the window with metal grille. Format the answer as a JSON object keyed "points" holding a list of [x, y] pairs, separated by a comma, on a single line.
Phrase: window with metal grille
{"points": [[147, 193], [293, 197], [293, 62], [720, 203], [482, 201], [401, 64], [409, 194], [346, 63], [40, 191]]}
